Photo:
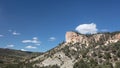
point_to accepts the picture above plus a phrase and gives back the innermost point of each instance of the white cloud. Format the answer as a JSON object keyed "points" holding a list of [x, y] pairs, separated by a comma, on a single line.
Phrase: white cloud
{"points": [[1, 35], [35, 38], [23, 50], [10, 46], [31, 47], [52, 39], [15, 33], [87, 28], [34, 41], [26, 41]]}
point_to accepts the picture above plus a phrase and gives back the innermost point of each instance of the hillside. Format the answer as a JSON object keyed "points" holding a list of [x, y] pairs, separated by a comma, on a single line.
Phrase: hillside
{"points": [[9, 57], [100, 50]]}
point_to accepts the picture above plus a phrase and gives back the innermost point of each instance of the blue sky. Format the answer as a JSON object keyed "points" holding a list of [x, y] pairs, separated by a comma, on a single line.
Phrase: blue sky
{"points": [[39, 25]]}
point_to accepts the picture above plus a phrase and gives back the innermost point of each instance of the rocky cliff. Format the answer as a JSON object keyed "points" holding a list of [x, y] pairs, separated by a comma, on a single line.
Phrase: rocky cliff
{"points": [[104, 38]]}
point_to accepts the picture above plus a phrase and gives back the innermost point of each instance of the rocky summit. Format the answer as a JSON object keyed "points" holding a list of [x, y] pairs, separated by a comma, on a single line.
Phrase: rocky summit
{"points": [[88, 39], [101, 50]]}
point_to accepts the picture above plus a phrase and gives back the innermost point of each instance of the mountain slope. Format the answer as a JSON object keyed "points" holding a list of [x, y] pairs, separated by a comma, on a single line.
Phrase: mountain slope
{"points": [[10, 56], [94, 50]]}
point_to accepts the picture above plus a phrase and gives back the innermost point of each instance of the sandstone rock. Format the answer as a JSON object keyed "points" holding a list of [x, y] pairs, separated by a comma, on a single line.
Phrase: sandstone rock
{"points": [[95, 38]]}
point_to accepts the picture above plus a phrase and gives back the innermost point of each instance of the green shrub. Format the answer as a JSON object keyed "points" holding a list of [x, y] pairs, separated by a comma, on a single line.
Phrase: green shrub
{"points": [[81, 64], [117, 65]]}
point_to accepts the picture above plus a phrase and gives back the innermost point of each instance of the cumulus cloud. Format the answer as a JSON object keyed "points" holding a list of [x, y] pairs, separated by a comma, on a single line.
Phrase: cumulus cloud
{"points": [[87, 28], [1, 35], [52, 39], [26, 41], [15, 33], [35, 38], [31, 47], [23, 50], [34, 41], [10, 46]]}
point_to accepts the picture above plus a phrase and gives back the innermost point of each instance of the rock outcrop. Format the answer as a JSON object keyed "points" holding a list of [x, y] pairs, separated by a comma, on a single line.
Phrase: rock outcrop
{"points": [[105, 38]]}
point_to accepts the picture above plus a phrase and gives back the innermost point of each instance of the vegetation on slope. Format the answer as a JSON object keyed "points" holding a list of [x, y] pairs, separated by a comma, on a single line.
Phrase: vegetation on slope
{"points": [[102, 57], [10, 58]]}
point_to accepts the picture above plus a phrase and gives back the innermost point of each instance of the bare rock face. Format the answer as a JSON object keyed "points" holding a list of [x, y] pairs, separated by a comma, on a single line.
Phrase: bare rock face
{"points": [[70, 36], [94, 38], [74, 37], [117, 36]]}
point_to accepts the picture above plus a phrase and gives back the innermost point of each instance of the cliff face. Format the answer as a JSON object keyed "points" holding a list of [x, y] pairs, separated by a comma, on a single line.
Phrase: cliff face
{"points": [[105, 38], [75, 37]]}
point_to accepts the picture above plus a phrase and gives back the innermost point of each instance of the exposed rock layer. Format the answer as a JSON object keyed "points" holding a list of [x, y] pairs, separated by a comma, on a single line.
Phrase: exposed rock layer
{"points": [[94, 38]]}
